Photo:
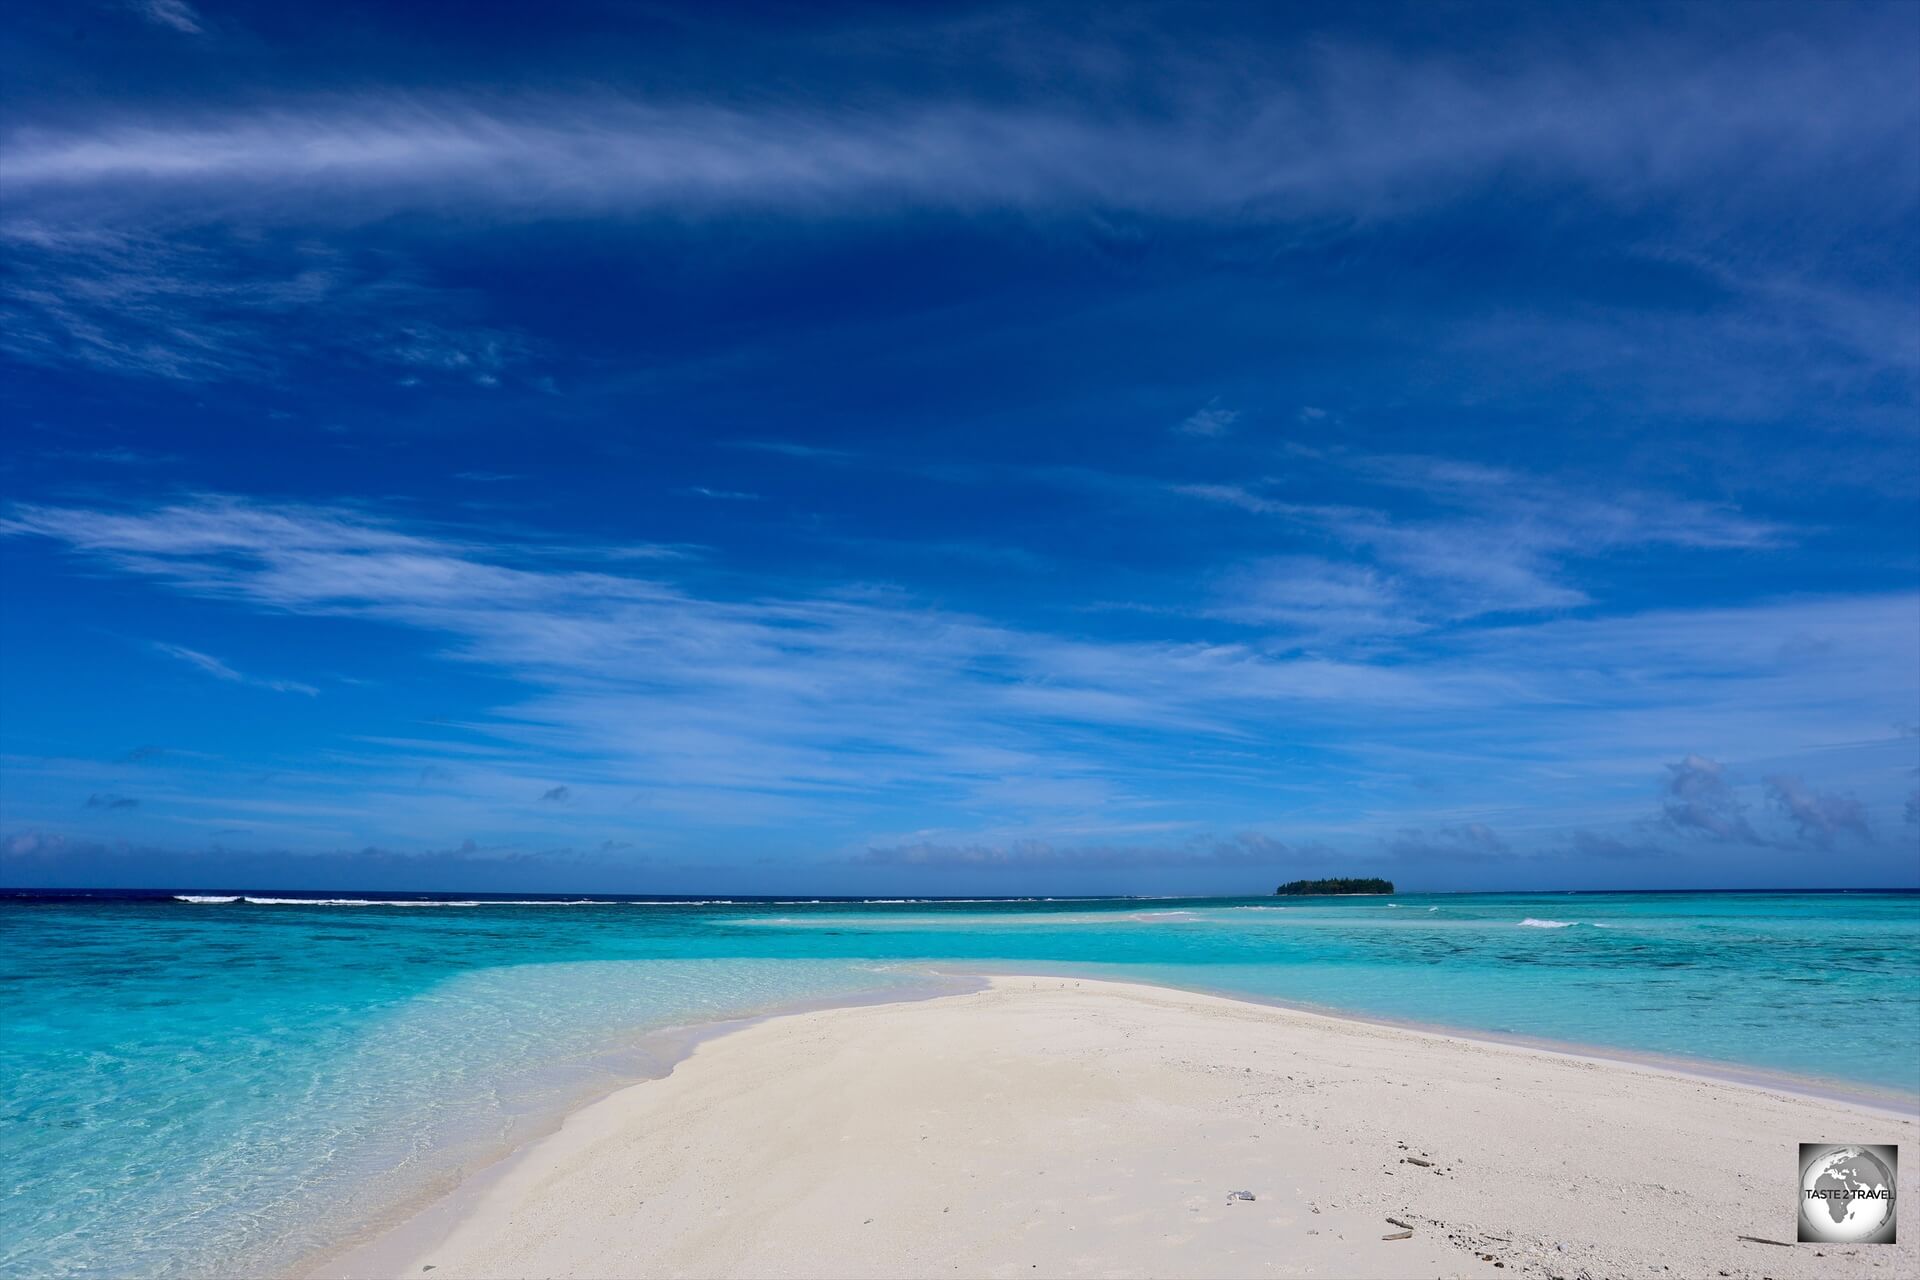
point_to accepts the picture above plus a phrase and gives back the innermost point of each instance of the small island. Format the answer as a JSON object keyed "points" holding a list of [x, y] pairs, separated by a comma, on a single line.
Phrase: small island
{"points": [[1294, 888]]}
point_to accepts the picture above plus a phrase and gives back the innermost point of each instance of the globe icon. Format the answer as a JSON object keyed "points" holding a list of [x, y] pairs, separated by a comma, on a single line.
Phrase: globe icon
{"points": [[1846, 1195]]}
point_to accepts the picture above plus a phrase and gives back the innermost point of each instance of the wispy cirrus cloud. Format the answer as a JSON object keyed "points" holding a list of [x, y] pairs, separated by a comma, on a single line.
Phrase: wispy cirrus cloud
{"points": [[176, 15], [1486, 540], [854, 692], [1479, 577], [760, 708], [1211, 419], [720, 495], [1336, 134], [1340, 130], [219, 670], [1318, 598], [201, 308], [794, 449]]}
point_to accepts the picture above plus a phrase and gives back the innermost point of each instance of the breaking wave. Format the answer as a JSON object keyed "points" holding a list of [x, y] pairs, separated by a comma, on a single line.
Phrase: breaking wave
{"points": [[411, 902]]}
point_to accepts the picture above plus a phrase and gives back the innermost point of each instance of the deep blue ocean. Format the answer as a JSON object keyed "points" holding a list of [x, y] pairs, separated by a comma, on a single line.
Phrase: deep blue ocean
{"points": [[223, 1085]]}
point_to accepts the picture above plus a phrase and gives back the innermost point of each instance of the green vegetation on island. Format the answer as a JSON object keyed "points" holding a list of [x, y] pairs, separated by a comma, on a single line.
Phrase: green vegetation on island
{"points": [[1341, 885]]}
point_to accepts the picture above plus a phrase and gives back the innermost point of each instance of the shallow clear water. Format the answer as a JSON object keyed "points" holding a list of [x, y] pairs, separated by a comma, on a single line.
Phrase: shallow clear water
{"points": [[194, 1087]]}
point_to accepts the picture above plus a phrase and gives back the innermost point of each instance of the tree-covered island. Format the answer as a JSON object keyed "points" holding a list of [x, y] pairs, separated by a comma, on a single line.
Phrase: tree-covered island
{"points": [[1342, 885]]}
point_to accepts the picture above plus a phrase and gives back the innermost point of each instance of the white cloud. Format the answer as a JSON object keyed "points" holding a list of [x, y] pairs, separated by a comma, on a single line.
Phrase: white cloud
{"points": [[833, 692], [840, 704], [1338, 135], [1234, 495], [1317, 597], [177, 14], [722, 495], [1501, 543], [217, 307], [1340, 131], [791, 449], [1208, 420], [221, 671]]}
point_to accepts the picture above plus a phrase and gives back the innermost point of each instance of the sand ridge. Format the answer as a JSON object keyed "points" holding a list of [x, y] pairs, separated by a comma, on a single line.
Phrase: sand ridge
{"points": [[1062, 1127]]}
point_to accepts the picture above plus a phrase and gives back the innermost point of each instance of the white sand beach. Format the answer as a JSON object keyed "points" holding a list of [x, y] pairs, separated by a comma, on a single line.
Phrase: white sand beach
{"points": [[1050, 1127]]}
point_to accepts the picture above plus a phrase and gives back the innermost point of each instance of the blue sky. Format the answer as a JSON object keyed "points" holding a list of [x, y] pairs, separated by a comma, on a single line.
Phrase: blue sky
{"points": [[960, 449]]}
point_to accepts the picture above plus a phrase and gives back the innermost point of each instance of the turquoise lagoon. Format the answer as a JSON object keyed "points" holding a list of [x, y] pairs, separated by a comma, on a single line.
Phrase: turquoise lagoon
{"points": [[225, 1085]]}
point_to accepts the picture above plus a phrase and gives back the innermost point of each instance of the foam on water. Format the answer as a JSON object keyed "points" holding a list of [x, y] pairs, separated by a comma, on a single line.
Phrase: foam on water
{"points": [[404, 902]]}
